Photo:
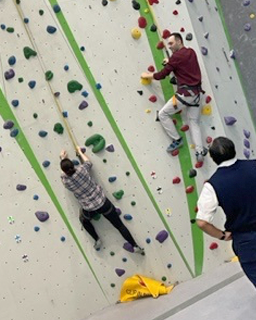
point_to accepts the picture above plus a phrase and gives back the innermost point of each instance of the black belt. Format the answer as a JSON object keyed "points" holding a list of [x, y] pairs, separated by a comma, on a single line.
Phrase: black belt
{"points": [[194, 104]]}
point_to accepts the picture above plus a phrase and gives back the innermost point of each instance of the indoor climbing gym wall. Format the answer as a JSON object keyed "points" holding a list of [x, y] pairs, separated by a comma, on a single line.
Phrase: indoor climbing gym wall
{"points": [[70, 75]]}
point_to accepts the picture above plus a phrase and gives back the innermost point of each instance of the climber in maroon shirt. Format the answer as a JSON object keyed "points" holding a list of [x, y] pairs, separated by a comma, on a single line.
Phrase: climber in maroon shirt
{"points": [[184, 64]]}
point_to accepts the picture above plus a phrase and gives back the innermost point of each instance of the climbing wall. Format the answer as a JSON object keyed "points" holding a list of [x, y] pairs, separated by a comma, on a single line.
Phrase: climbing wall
{"points": [[89, 44]]}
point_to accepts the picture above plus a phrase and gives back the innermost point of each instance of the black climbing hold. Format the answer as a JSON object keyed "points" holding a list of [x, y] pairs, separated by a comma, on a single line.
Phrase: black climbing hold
{"points": [[189, 37], [178, 2], [192, 173], [140, 92], [104, 2], [193, 221], [135, 5], [153, 28], [157, 117], [213, 128], [173, 80]]}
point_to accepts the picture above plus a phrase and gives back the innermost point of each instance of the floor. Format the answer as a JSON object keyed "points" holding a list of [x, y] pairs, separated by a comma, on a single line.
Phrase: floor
{"points": [[224, 294]]}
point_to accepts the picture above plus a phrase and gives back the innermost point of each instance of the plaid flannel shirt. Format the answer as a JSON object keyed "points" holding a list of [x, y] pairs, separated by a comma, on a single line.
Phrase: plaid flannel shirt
{"points": [[88, 193]]}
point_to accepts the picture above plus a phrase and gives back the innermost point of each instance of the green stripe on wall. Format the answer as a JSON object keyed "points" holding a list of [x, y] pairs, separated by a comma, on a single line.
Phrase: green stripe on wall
{"points": [[107, 112], [184, 155]]}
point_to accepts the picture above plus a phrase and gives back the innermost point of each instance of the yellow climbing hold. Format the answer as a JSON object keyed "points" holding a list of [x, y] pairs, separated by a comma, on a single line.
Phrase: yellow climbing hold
{"points": [[192, 146], [207, 110], [136, 34], [148, 110], [146, 10], [145, 82], [168, 211], [234, 259], [252, 15]]}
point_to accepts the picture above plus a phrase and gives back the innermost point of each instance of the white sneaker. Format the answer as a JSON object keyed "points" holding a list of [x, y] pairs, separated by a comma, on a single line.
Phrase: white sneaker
{"points": [[97, 245], [139, 250]]}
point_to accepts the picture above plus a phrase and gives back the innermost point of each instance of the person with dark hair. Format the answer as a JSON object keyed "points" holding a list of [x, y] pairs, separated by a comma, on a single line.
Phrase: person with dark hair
{"points": [[91, 198], [232, 187], [184, 64]]}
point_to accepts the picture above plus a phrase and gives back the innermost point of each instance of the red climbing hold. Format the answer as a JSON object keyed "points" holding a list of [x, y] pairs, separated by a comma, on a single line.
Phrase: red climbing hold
{"points": [[208, 99], [151, 69], [182, 29], [175, 152], [174, 121], [196, 209], [189, 189], [142, 22], [153, 98], [199, 164], [209, 139], [160, 45], [175, 12], [213, 246], [151, 2], [184, 128], [166, 34], [176, 180]]}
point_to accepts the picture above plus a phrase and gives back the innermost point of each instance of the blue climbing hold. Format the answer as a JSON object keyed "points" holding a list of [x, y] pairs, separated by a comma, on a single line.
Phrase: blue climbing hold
{"points": [[124, 259], [85, 94], [35, 197], [65, 114], [46, 163], [12, 60], [14, 133], [127, 217], [42, 133], [56, 8], [51, 29], [36, 228], [112, 179], [15, 103], [62, 239], [3, 26], [148, 240], [169, 265], [26, 20], [32, 84], [66, 67], [98, 86]]}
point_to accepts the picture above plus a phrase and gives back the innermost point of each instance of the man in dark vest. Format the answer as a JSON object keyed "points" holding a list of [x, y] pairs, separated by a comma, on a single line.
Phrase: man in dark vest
{"points": [[232, 187]]}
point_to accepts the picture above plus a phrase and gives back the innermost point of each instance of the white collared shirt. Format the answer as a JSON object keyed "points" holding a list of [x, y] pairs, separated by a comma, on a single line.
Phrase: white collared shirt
{"points": [[207, 203]]}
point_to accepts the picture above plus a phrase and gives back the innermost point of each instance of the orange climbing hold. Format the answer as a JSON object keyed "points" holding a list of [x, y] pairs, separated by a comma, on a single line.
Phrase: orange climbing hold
{"points": [[153, 98], [142, 22]]}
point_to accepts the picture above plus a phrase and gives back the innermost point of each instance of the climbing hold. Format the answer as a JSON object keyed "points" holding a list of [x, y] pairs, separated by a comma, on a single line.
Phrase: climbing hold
{"points": [[26, 20], [110, 148], [74, 86], [35, 115], [159, 190], [166, 34], [136, 34], [148, 240], [112, 179], [207, 110], [162, 236], [128, 217], [21, 187], [12, 60], [208, 139], [62, 239], [182, 29], [199, 164], [32, 84], [51, 29], [89, 123], [3, 27], [208, 99], [118, 194], [66, 67], [112, 285], [189, 189], [246, 133], [128, 247], [175, 152], [124, 259], [153, 28], [42, 133], [189, 37], [192, 221], [56, 94], [229, 121], [8, 124], [192, 173], [14, 132], [247, 153], [164, 278], [178, 2], [42, 215], [104, 160], [184, 128], [213, 246], [56, 8], [9, 74], [142, 22], [83, 105], [46, 164], [247, 143], [201, 18], [206, 35], [28, 52], [133, 203], [127, 173], [20, 80], [35, 197], [153, 174], [204, 51], [41, 12], [85, 94], [82, 48], [10, 29], [58, 128], [252, 16], [98, 86], [150, 69], [145, 82], [118, 211], [36, 228], [246, 3], [147, 110], [160, 45], [151, 2], [119, 272], [15, 103], [152, 98], [247, 27], [135, 5], [104, 2], [48, 75], [97, 141], [175, 12], [232, 54], [169, 265]]}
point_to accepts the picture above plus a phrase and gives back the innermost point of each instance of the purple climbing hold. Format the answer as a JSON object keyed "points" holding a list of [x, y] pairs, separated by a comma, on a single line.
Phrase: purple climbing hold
{"points": [[83, 105], [247, 133], [118, 211], [247, 27], [190, 1], [9, 74], [42, 215], [162, 236], [128, 247], [119, 272], [110, 148], [247, 153], [204, 51], [246, 3], [56, 94], [21, 187], [247, 143], [8, 124], [232, 54], [230, 120]]}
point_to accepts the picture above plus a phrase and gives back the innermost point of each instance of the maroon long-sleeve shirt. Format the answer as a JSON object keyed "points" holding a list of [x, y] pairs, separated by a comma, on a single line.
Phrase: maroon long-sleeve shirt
{"points": [[184, 64]]}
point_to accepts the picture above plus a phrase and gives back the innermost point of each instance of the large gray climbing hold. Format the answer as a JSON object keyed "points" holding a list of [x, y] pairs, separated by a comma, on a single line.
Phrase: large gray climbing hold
{"points": [[119, 272], [162, 236], [229, 121], [247, 133], [21, 187], [247, 153], [247, 143], [128, 247], [8, 124], [42, 215]]}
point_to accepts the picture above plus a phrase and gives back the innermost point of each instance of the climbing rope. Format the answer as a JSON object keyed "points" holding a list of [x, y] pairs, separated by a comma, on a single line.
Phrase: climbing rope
{"points": [[44, 69]]}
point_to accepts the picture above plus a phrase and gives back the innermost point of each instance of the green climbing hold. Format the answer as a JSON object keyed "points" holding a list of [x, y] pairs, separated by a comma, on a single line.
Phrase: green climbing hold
{"points": [[74, 86], [104, 160], [89, 123], [20, 80], [58, 128], [118, 194], [97, 141], [18, 1], [112, 253], [35, 115], [112, 285], [41, 12], [28, 52], [48, 75], [164, 278], [10, 30], [133, 203], [127, 173]]}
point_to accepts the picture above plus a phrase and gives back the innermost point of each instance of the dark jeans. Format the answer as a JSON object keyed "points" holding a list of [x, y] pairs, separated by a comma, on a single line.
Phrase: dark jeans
{"points": [[244, 246], [108, 210]]}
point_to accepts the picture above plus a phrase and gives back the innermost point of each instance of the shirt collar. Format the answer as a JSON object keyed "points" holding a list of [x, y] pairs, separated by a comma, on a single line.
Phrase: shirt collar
{"points": [[227, 163]]}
